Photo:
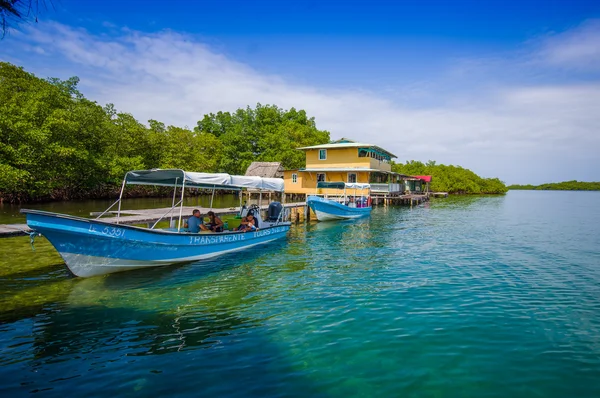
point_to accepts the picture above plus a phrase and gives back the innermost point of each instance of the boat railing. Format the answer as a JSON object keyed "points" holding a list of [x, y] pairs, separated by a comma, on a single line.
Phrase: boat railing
{"points": [[110, 207], [340, 198], [165, 215], [385, 187], [177, 179]]}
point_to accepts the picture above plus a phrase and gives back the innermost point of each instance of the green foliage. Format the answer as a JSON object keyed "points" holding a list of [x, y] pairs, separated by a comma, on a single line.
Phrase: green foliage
{"points": [[561, 186], [451, 179], [266, 133], [56, 144], [14, 11]]}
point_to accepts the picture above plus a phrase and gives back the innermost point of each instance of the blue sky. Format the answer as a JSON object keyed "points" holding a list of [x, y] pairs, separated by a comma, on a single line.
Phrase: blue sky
{"points": [[508, 89]]}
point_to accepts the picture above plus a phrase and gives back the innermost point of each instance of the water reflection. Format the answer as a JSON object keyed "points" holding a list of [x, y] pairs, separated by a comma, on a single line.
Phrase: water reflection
{"points": [[65, 332], [105, 325], [422, 299]]}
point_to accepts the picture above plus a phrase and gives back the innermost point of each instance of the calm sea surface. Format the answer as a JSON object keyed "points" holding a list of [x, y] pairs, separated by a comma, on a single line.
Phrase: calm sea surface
{"points": [[462, 297]]}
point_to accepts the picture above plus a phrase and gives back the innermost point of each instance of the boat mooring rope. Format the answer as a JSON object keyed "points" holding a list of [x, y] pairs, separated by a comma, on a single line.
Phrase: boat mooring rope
{"points": [[32, 236]]}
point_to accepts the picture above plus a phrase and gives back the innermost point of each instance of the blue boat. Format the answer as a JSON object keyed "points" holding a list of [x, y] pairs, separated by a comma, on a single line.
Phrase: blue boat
{"points": [[352, 203], [93, 247]]}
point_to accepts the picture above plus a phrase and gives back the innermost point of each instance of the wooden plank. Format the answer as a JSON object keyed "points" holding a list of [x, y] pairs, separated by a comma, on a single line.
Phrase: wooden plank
{"points": [[7, 230]]}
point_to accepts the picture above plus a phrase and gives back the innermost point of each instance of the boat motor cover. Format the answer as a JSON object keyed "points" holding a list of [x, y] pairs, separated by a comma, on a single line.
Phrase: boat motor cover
{"points": [[275, 208]]}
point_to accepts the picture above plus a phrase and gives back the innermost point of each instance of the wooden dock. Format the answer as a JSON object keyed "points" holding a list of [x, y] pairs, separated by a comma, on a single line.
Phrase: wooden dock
{"points": [[143, 216], [8, 230], [408, 199]]}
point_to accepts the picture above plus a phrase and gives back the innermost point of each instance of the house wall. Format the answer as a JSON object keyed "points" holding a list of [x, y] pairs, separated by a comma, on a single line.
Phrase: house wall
{"points": [[344, 157], [336, 158], [307, 182]]}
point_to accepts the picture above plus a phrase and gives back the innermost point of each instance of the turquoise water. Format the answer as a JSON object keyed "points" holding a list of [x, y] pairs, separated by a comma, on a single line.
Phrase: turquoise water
{"points": [[462, 297]]}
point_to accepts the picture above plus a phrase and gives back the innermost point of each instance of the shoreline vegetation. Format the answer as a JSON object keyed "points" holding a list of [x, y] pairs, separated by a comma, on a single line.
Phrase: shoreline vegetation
{"points": [[560, 186], [451, 179], [55, 144]]}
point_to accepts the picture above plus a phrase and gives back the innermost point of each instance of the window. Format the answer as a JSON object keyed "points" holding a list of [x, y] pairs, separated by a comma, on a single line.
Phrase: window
{"points": [[351, 177], [320, 177], [294, 178], [322, 154]]}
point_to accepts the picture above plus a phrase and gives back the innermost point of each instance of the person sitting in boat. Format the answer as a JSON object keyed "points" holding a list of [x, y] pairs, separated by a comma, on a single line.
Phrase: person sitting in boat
{"points": [[361, 202], [351, 203], [193, 223], [243, 224], [215, 224], [250, 224]]}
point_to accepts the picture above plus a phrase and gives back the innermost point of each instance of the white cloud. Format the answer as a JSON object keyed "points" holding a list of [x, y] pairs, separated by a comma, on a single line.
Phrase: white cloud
{"points": [[522, 133], [578, 48]]}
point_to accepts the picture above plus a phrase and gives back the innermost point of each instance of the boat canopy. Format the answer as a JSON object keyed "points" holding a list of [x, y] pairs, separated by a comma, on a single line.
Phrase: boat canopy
{"points": [[342, 185], [175, 177], [255, 182]]}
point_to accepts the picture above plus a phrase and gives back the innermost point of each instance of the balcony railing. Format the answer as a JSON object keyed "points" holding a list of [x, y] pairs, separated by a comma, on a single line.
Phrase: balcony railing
{"points": [[380, 165], [386, 188]]}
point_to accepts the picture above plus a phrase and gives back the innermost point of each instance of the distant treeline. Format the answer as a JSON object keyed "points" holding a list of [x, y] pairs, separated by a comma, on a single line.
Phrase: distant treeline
{"points": [[55, 144], [451, 179], [561, 186]]}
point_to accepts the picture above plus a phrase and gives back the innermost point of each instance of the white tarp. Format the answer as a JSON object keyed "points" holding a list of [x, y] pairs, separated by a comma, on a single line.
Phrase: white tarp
{"points": [[207, 178], [247, 181], [254, 182], [273, 184], [174, 177]]}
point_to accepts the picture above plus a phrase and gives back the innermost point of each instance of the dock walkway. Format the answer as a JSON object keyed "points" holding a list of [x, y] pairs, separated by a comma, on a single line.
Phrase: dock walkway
{"points": [[400, 199], [142, 216]]}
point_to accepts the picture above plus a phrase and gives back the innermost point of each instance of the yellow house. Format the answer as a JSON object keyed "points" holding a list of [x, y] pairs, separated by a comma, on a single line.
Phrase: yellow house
{"points": [[345, 161]]}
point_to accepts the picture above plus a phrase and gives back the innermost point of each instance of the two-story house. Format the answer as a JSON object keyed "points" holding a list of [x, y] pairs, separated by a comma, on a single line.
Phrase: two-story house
{"points": [[347, 161]]}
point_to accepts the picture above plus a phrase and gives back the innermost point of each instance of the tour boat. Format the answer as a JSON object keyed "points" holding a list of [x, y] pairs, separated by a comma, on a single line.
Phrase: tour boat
{"points": [[354, 202], [98, 246]]}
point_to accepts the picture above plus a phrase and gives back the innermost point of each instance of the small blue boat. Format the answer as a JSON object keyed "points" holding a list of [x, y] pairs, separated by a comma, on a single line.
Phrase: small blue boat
{"points": [[93, 247], [347, 205]]}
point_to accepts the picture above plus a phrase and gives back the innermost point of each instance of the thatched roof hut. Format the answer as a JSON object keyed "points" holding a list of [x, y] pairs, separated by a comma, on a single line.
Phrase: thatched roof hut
{"points": [[265, 169]]}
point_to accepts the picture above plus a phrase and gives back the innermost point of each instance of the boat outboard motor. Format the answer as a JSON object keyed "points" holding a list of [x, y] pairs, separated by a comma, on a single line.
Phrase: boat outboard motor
{"points": [[274, 210]]}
